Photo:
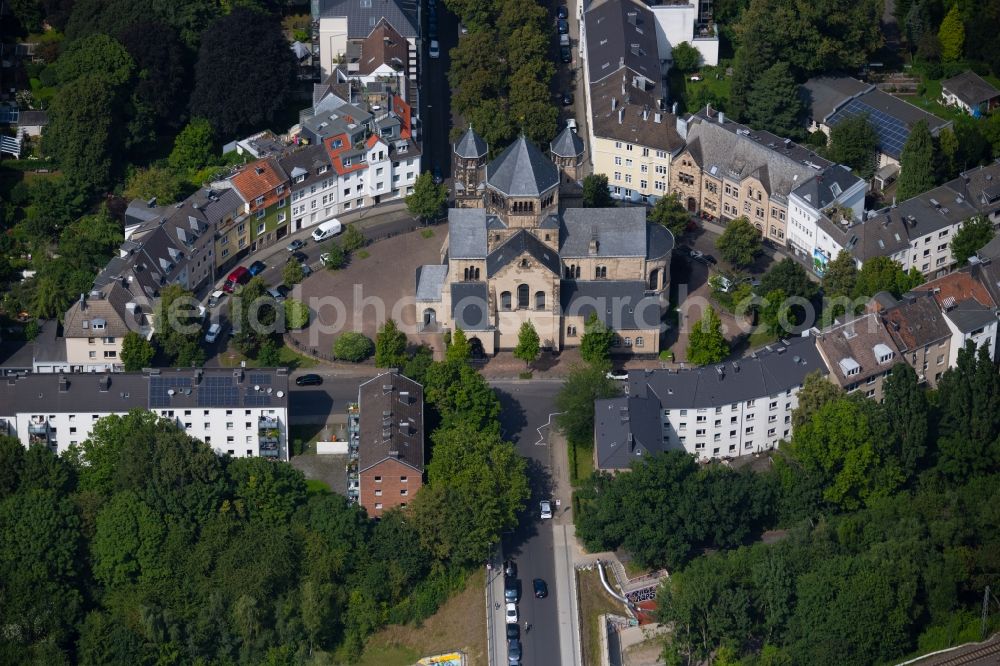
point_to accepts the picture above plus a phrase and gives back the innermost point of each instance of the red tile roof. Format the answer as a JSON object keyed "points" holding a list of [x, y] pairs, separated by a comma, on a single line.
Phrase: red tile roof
{"points": [[260, 179], [957, 287], [403, 111], [336, 154]]}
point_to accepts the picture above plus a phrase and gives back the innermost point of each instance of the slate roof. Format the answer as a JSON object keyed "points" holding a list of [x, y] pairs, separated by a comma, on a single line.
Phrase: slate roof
{"points": [[621, 32], [970, 88], [430, 282], [470, 306], [634, 117], [110, 308], [522, 170], [567, 144], [391, 422], [768, 372], [470, 146], [621, 232], [854, 341], [363, 15], [969, 315], [522, 242], [467, 233], [306, 161], [626, 429], [915, 322], [991, 250], [980, 185], [824, 189], [732, 151], [659, 241], [619, 304]]}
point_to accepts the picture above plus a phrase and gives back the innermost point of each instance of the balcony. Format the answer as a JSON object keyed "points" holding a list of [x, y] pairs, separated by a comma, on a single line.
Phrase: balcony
{"points": [[39, 427], [269, 450], [267, 423]]}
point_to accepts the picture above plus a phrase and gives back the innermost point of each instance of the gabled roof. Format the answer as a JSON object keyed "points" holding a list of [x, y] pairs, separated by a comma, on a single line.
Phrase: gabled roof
{"points": [[852, 344], [969, 315], [391, 421], [470, 146], [827, 186], [306, 161], [621, 33], [953, 288], [915, 322], [109, 309], [384, 46], [620, 232], [522, 242], [467, 233], [338, 147], [364, 15], [971, 88], [567, 144], [626, 429], [522, 170], [259, 179], [430, 282]]}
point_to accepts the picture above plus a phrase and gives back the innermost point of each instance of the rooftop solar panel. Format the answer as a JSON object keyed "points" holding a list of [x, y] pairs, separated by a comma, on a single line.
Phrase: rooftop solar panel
{"points": [[159, 388], [892, 132], [261, 378]]}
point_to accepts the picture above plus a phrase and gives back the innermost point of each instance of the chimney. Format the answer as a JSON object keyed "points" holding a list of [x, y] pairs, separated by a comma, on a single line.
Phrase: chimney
{"points": [[104, 383], [63, 384], [621, 116], [238, 375], [614, 103], [645, 113], [673, 108], [722, 118], [682, 127], [83, 301]]}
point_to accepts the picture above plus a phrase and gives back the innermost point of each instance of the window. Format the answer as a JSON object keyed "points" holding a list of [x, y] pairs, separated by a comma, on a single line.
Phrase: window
{"points": [[93, 354], [628, 163], [404, 491], [638, 341], [539, 300], [700, 419], [258, 201], [940, 359], [628, 342], [522, 297], [378, 492], [700, 432], [378, 479], [749, 430], [505, 300], [643, 184], [618, 175], [378, 506], [261, 213], [870, 394], [618, 160], [601, 272], [110, 354], [403, 479], [628, 178]]}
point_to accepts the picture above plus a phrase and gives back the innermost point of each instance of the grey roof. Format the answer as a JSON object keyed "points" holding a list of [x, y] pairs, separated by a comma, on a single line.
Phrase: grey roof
{"points": [[430, 282], [470, 146], [826, 187], [301, 50], [467, 233], [470, 306], [626, 429], [915, 322], [991, 250], [767, 372], [109, 307], [970, 88], [391, 421], [363, 15], [620, 304], [854, 342], [620, 232], [621, 33], [659, 241], [825, 93], [306, 161], [522, 242], [634, 117], [567, 144], [735, 152], [968, 315], [980, 185], [122, 391], [32, 117], [522, 170]]}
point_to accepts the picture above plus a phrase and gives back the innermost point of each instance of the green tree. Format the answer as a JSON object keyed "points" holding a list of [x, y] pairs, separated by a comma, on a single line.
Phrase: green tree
{"points": [[706, 343], [194, 146], [390, 346], [353, 239], [952, 35], [267, 354], [82, 134], [179, 327], [884, 274], [486, 477], [970, 238], [336, 258], [669, 212], [428, 200], [775, 312], [418, 364], [816, 391], [774, 103], [854, 143], [128, 541], [969, 396], [137, 352], [268, 491], [244, 72], [352, 346], [459, 348], [252, 313], [740, 243], [595, 191], [907, 413], [788, 276], [687, 58], [916, 163], [296, 314], [156, 182], [840, 278], [596, 341], [528, 345], [98, 55], [575, 401], [461, 396], [292, 273]]}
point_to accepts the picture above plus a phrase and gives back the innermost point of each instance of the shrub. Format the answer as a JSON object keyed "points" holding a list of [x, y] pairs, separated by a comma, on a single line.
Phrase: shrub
{"points": [[353, 239], [296, 314], [353, 347]]}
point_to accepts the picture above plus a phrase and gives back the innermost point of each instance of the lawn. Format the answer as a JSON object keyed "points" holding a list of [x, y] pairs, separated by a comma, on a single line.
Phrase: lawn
{"points": [[930, 99], [713, 80], [594, 602], [582, 462], [460, 624], [315, 487], [289, 358]]}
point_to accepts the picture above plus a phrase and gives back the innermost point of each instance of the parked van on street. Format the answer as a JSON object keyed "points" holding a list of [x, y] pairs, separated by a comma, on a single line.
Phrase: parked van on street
{"points": [[328, 229]]}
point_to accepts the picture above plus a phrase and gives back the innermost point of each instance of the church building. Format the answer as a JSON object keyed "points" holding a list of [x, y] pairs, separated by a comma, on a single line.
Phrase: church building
{"points": [[512, 255]]}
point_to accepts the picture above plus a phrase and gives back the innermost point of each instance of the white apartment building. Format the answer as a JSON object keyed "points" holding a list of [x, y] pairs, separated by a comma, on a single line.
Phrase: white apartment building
{"points": [[721, 411], [345, 25], [240, 413], [679, 22], [836, 187]]}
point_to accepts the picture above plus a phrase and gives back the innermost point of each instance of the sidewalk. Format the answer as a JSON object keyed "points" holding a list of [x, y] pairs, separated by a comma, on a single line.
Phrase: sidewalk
{"points": [[496, 622]]}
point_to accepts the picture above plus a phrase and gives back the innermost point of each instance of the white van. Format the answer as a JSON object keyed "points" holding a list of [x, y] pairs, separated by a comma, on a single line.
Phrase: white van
{"points": [[326, 230]]}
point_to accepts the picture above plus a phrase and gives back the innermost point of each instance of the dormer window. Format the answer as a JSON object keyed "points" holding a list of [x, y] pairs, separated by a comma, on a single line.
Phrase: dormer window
{"points": [[323, 169], [281, 188], [883, 353], [299, 179], [337, 143], [258, 201]]}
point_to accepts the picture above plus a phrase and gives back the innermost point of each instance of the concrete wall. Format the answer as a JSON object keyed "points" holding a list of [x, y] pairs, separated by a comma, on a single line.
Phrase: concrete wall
{"points": [[332, 42], [676, 24]]}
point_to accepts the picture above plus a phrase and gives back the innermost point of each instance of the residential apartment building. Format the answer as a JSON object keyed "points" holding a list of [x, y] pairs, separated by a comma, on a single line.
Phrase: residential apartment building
{"points": [[390, 442], [344, 25], [969, 308], [859, 354], [678, 22], [971, 93], [96, 324], [726, 171], [264, 186], [632, 136], [920, 332], [721, 411], [313, 186], [238, 413], [835, 190]]}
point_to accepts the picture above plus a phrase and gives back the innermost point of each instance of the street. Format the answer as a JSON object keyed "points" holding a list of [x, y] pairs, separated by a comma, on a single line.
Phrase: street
{"points": [[435, 95]]}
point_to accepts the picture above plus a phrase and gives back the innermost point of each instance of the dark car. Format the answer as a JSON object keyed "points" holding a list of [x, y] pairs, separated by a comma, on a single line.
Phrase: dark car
{"points": [[298, 256], [432, 28], [513, 631], [309, 380], [563, 26], [541, 589], [437, 176], [565, 54], [567, 98], [510, 569], [295, 245], [562, 11], [257, 267], [710, 259], [513, 651], [283, 290], [511, 589]]}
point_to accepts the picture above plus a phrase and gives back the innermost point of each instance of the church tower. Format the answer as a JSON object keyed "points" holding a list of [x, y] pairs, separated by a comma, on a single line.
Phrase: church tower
{"points": [[567, 153], [522, 186], [469, 170]]}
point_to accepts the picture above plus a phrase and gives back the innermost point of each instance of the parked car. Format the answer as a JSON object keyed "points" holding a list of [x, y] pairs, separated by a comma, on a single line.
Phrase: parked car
{"points": [[511, 589], [513, 651], [567, 98], [326, 230], [240, 275], [280, 292], [435, 49], [510, 569], [432, 29], [710, 259], [438, 179], [299, 256], [309, 380], [256, 268], [306, 271], [565, 54], [513, 631], [541, 589], [562, 11], [564, 40], [511, 613], [563, 26], [216, 298], [296, 244], [213, 333], [546, 509]]}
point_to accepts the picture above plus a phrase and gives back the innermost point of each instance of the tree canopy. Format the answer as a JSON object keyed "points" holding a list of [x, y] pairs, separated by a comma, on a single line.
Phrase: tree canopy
{"points": [[853, 142], [595, 191], [916, 165], [528, 345], [669, 212], [428, 200], [390, 346], [970, 238], [584, 384], [706, 343], [740, 243], [596, 341]]}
